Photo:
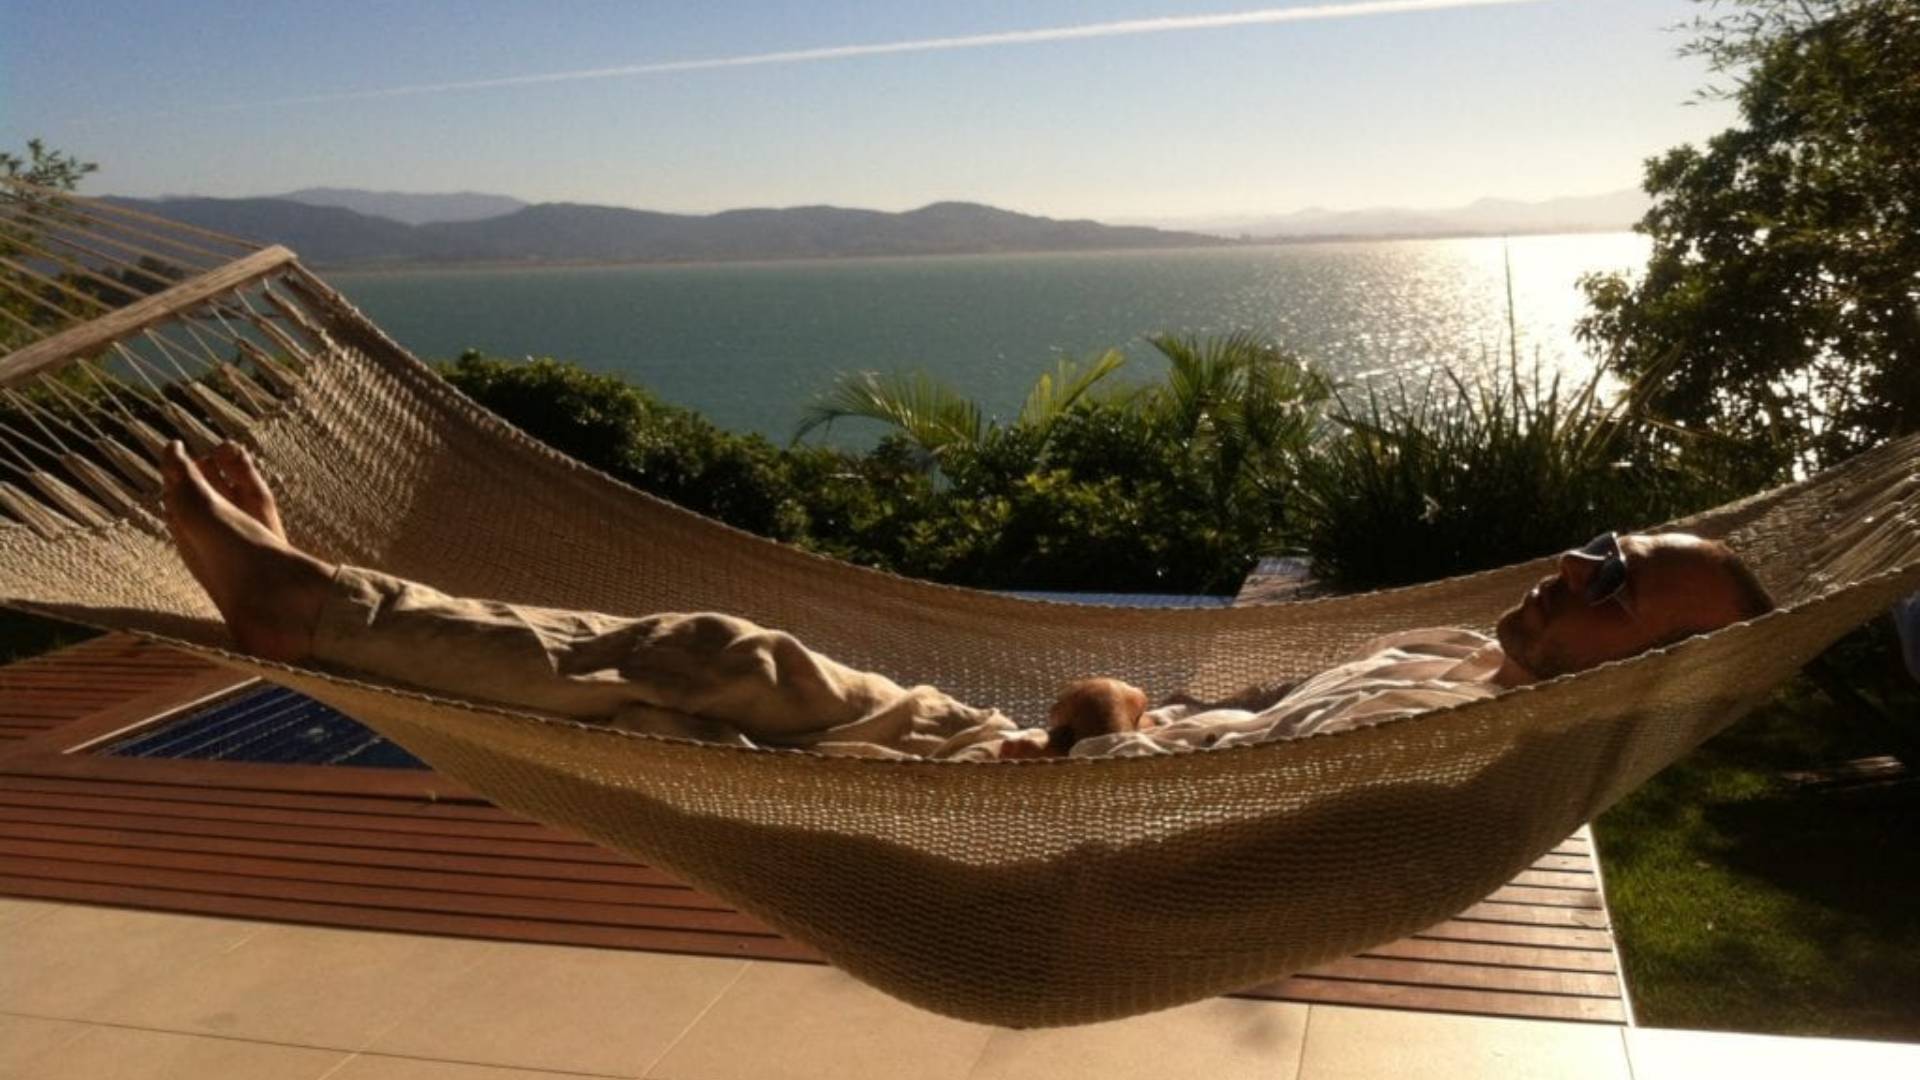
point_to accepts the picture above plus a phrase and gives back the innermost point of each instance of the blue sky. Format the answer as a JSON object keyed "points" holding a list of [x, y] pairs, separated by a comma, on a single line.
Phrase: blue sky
{"points": [[1431, 107]]}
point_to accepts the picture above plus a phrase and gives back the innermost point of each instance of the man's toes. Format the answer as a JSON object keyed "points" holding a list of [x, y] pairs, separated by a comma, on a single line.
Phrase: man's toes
{"points": [[185, 486], [176, 462], [219, 473], [246, 470], [240, 479], [230, 459], [175, 465]]}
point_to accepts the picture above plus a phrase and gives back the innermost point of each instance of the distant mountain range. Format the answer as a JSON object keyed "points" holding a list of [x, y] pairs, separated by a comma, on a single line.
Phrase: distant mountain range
{"points": [[1613, 210], [337, 235], [409, 208], [354, 227]]}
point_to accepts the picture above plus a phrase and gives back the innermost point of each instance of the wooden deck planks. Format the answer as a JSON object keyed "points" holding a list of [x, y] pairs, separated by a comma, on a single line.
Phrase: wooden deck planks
{"points": [[406, 851], [539, 931], [43, 693]]}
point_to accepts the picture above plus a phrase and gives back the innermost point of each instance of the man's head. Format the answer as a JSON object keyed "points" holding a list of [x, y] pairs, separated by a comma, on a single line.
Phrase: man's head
{"points": [[1623, 595]]}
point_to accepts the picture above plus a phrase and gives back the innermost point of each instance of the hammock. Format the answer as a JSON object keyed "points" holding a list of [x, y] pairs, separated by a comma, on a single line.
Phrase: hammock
{"points": [[1020, 894]]}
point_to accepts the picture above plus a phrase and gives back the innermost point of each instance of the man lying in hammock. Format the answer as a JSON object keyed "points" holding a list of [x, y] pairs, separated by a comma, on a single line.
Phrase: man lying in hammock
{"points": [[723, 679]]}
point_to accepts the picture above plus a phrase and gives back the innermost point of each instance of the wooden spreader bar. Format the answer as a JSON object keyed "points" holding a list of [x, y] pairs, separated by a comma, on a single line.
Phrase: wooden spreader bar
{"points": [[97, 334]]}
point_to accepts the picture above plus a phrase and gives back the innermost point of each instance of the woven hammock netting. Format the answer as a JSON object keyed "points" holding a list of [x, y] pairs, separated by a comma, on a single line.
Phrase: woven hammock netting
{"points": [[1134, 884]]}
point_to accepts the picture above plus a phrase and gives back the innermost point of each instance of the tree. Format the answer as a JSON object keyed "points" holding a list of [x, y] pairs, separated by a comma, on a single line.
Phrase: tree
{"points": [[24, 635], [47, 168], [1784, 282], [27, 304], [1248, 407]]}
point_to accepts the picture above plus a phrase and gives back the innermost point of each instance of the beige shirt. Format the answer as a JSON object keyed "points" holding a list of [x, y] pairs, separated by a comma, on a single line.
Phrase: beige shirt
{"points": [[1393, 676]]}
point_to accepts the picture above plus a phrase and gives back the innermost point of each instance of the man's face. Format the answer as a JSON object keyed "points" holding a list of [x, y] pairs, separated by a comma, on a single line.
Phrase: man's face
{"points": [[1674, 585]]}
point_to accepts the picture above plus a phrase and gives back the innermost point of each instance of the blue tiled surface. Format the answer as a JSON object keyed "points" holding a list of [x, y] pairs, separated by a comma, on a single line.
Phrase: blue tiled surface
{"points": [[1141, 600], [266, 724]]}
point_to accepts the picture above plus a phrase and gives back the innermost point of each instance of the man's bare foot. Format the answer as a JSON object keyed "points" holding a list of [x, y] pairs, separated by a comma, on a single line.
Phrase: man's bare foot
{"points": [[269, 593], [231, 471]]}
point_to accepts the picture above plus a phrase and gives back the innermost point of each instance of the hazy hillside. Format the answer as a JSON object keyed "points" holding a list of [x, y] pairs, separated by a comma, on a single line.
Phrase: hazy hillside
{"points": [[323, 234], [564, 232], [1614, 210], [409, 207]]}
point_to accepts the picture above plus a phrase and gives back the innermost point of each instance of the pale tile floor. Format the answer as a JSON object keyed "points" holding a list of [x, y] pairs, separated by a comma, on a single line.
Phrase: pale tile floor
{"points": [[104, 994]]}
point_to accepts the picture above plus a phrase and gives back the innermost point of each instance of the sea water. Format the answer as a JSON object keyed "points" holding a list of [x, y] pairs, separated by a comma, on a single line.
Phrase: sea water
{"points": [[749, 344]]}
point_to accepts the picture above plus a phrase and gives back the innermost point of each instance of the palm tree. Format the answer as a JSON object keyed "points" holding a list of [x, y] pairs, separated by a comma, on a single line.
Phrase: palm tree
{"points": [[1235, 382], [938, 419], [1245, 402]]}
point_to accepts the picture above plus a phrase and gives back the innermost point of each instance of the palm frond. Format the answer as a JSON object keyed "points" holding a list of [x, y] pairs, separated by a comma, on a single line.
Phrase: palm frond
{"points": [[1202, 375], [1057, 391], [932, 414]]}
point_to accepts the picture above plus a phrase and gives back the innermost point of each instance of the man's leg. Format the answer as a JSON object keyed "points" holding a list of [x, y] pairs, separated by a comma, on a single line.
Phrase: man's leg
{"points": [[653, 672]]}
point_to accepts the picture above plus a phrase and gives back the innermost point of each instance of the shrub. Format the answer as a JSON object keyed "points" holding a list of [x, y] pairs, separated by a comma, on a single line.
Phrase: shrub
{"points": [[1177, 487], [621, 429], [1460, 477]]}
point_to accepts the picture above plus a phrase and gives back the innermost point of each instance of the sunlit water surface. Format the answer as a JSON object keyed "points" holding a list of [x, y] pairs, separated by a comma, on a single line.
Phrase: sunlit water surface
{"points": [[750, 343]]}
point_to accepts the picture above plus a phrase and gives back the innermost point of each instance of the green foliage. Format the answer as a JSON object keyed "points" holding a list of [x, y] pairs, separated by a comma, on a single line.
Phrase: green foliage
{"points": [[1785, 272], [1105, 498], [28, 305], [1175, 486], [1053, 395], [670, 452], [1463, 477], [931, 415], [47, 168], [939, 421], [1247, 410]]}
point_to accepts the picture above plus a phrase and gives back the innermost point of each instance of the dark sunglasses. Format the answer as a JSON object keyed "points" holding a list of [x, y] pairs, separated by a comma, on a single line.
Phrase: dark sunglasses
{"points": [[1611, 575]]}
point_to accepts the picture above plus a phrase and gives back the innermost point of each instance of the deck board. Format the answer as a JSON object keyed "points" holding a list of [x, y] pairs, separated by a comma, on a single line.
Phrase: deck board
{"points": [[378, 850]]}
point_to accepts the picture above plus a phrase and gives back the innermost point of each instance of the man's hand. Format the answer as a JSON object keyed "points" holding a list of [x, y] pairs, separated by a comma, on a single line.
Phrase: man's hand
{"points": [[1094, 707]]}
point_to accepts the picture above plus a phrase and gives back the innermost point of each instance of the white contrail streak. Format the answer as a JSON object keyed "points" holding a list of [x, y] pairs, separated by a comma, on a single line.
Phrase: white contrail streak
{"points": [[1353, 9]]}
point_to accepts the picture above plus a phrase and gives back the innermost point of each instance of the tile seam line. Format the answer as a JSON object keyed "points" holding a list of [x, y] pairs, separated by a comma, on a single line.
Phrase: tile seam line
{"points": [[1306, 1032], [337, 1066], [482, 955], [674, 1043], [347, 1058], [534, 1070], [149, 1029], [980, 1055]]}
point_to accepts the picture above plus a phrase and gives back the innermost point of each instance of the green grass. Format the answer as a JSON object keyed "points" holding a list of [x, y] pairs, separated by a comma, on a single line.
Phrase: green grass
{"points": [[1421, 482], [1743, 904]]}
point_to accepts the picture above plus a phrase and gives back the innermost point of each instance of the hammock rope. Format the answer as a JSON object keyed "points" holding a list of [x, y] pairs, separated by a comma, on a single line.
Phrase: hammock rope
{"points": [[1145, 883]]}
